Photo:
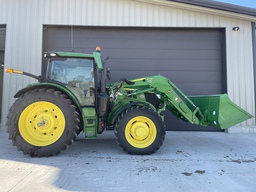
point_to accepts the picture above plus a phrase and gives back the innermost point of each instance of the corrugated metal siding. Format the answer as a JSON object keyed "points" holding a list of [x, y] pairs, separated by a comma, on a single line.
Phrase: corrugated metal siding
{"points": [[25, 20]]}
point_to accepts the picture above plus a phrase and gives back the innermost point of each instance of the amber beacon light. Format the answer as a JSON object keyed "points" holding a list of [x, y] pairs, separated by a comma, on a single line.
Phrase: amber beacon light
{"points": [[98, 49]]}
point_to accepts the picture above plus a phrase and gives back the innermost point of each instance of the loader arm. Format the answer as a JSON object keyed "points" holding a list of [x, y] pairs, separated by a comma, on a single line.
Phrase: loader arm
{"points": [[210, 110], [172, 97]]}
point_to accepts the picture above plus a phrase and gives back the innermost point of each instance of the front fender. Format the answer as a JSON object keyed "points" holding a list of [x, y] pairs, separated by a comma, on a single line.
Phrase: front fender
{"points": [[120, 111], [48, 86]]}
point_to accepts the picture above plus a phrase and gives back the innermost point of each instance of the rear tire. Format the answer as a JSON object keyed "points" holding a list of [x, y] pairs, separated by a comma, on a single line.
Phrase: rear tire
{"points": [[42, 122], [140, 130]]}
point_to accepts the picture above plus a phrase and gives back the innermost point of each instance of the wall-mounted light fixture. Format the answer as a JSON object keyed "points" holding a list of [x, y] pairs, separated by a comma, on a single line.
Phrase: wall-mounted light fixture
{"points": [[236, 28]]}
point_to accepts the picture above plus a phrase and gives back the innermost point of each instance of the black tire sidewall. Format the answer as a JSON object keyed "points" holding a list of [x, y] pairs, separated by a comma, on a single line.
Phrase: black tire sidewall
{"points": [[126, 117], [49, 95]]}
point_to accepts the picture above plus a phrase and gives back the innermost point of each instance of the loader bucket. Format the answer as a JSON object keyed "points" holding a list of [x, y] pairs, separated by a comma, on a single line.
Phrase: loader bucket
{"points": [[220, 111]]}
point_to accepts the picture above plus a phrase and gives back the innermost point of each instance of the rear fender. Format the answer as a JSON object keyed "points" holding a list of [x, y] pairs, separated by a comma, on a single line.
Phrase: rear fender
{"points": [[48, 86]]}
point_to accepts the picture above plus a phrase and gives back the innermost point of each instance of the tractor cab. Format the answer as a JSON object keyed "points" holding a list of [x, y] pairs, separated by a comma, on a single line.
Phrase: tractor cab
{"points": [[77, 74], [83, 74]]}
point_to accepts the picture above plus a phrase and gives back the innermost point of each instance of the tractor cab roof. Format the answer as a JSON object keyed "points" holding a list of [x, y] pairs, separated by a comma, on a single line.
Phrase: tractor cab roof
{"points": [[67, 54], [95, 55]]}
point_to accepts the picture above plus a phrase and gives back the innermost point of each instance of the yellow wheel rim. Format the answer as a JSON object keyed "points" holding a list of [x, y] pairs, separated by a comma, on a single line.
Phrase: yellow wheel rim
{"points": [[140, 132], [41, 123]]}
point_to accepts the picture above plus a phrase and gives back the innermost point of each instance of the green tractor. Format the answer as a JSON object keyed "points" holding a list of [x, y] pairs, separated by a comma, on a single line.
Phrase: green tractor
{"points": [[72, 96]]}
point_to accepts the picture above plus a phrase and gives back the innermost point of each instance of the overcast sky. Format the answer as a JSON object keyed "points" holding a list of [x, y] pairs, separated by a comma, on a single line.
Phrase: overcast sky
{"points": [[246, 3]]}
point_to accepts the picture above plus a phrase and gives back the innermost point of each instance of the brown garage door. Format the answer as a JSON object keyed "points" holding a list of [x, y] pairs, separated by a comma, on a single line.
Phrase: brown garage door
{"points": [[191, 58]]}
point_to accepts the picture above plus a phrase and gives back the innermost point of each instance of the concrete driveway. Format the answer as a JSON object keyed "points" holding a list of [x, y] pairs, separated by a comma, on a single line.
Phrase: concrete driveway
{"points": [[187, 161]]}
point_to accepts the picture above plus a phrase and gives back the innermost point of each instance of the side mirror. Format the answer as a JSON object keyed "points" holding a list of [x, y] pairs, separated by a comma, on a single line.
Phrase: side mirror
{"points": [[108, 74]]}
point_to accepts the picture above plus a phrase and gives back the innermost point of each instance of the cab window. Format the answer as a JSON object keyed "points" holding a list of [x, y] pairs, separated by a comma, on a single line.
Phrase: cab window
{"points": [[76, 74]]}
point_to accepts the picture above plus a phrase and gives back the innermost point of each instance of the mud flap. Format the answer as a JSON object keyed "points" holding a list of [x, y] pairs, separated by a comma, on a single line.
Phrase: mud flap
{"points": [[219, 110]]}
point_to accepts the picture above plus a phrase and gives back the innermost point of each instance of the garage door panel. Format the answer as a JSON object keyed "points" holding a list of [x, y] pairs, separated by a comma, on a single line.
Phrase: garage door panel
{"points": [[148, 44], [199, 88], [165, 54], [159, 64], [190, 58], [164, 64], [196, 78], [137, 39], [128, 33]]}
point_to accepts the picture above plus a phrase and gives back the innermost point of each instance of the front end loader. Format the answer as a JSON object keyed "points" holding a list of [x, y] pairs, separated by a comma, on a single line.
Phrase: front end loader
{"points": [[72, 96]]}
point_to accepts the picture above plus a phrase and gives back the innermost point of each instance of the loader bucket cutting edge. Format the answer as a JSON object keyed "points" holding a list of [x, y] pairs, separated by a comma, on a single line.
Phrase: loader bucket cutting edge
{"points": [[220, 111]]}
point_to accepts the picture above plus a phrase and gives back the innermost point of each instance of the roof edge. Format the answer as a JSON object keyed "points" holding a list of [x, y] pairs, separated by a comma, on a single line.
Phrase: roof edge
{"points": [[220, 6]]}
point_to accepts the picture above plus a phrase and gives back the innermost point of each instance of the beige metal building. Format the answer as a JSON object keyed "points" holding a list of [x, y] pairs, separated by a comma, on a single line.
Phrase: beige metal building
{"points": [[204, 47]]}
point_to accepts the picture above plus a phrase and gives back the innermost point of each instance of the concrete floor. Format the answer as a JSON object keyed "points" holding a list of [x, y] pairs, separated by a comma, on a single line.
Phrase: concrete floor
{"points": [[187, 161]]}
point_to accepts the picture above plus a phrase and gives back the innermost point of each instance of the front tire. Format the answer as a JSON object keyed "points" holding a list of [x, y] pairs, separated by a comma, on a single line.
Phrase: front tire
{"points": [[140, 130], [42, 122]]}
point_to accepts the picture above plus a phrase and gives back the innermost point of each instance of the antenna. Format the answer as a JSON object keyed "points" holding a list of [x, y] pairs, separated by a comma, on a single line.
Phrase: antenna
{"points": [[72, 39], [71, 28]]}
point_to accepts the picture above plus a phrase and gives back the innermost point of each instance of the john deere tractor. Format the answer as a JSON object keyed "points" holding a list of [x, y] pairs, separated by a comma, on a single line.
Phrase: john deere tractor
{"points": [[72, 96]]}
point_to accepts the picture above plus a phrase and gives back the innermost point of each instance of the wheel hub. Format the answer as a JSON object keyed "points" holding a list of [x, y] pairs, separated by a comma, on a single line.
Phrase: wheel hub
{"points": [[140, 132], [41, 123]]}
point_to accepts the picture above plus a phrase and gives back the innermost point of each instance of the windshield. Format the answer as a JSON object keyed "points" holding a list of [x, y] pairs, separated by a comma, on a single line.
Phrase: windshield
{"points": [[78, 76], [67, 70]]}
